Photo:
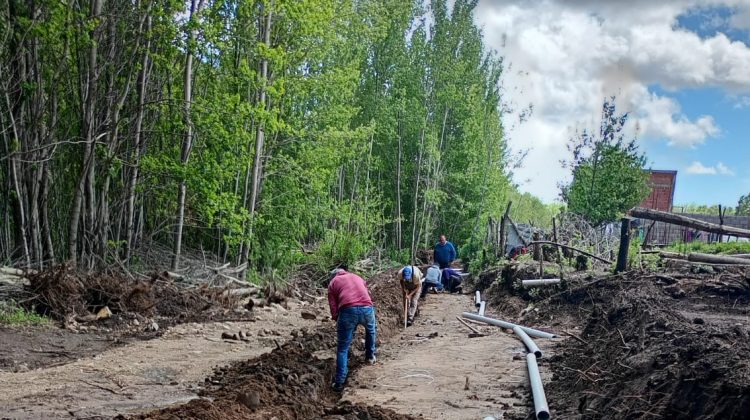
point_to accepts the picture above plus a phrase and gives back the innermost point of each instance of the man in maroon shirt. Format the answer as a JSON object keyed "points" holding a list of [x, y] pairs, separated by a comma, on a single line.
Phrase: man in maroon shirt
{"points": [[351, 306]]}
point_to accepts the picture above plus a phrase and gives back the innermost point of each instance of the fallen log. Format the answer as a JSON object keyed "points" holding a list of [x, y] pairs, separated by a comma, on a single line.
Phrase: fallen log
{"points": [[246, 291], [233, 280], [672, 255], [717, 259], [679, 220], [580, 251], [539, 282]]}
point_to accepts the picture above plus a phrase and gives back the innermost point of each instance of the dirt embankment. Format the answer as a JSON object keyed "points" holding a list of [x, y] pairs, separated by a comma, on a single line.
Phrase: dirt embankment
{"points": [[671, 344], [74, 298], [291, 382], [101, 311], [646, 353]]}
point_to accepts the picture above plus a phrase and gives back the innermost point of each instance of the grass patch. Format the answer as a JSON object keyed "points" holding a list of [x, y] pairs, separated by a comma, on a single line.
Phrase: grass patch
{"points": [[726, 248], [12, 314]]}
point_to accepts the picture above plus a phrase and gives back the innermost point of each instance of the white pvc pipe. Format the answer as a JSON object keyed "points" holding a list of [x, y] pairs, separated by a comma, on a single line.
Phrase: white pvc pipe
{"points": [[482, 306], [537, 390], [527, 341], [477, 298], [539, 282], [504, 324]]}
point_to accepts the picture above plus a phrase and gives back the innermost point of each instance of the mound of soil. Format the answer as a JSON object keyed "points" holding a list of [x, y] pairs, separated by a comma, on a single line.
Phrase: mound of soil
{"points": [[291, 382], [641, 357], [64, 294]]}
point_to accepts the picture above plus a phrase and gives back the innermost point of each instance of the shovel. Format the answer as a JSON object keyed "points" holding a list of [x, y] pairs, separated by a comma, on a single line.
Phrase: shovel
{"points": [[406, 309]]}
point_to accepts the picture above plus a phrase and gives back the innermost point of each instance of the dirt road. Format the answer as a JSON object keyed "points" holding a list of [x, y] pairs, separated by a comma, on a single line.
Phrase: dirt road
{"points": [[424, 370], [142, 375]]}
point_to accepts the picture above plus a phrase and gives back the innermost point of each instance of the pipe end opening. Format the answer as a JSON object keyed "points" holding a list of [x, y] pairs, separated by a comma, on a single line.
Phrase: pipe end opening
{"points": [[538, 354], [542, 415]]}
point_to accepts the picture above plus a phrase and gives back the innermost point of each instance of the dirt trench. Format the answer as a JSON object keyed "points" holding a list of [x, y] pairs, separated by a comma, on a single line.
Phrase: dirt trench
{"points": [[293, 381], [142, 375]]}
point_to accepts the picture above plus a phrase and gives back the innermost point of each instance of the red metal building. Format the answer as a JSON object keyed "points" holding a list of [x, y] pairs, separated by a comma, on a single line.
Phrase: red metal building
{"points": [[662, 185]]}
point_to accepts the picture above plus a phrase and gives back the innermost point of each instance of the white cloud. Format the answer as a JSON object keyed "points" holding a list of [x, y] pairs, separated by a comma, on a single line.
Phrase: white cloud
{"points": [[723, 169], [697, 168], [741, 102], [566, 56]]}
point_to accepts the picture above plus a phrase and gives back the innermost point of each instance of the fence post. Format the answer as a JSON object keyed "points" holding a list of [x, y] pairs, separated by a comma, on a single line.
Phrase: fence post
{"points": [[539, 254], [558, 249], [622, 256]]}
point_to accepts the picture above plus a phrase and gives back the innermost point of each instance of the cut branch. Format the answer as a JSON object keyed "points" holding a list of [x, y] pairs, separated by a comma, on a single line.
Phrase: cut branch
{"points": [[571, 248]]}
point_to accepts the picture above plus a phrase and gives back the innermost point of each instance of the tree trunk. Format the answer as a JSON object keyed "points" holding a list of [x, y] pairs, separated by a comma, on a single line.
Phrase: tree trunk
{"points": [[18, 205], [367, 182], [187, 142], [259, 147], [398, 192], [717, 259], [435, 179], [86, 179], [143, 78], [414, 204]]}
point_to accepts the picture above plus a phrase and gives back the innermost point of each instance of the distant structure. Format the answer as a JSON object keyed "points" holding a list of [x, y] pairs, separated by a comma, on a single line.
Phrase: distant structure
{"points": [[662, 185], [661, 198]]}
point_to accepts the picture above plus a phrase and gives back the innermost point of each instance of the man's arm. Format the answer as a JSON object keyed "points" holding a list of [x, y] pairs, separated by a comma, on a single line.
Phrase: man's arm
{"points": [[332, 302], [452, 252]]}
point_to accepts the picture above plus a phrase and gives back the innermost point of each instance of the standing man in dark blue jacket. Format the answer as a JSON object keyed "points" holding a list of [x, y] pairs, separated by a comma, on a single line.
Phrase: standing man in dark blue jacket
{"points": [[445, 252]]}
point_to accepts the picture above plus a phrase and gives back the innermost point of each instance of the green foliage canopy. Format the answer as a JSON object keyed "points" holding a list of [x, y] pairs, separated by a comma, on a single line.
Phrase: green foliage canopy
{"points": [[608, 176]]}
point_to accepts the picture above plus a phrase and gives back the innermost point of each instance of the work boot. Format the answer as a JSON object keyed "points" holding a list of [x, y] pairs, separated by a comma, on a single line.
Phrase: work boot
{"points": [[372, 360], [409, 322], [337, 387]]}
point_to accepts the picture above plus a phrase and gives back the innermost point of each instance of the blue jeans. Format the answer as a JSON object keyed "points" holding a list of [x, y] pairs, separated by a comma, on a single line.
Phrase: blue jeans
{"points": [[348, 320]]}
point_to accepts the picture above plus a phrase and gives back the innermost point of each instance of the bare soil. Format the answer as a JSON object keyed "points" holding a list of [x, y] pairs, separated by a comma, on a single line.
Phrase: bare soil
{"points": [[26, 348], [434, 370], [140, 375], [293, 381], [666, 344]]}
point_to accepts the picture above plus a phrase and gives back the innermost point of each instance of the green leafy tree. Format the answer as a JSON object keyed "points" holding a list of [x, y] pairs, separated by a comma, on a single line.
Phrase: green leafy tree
{"points": [[743, 206], [608, 176]]}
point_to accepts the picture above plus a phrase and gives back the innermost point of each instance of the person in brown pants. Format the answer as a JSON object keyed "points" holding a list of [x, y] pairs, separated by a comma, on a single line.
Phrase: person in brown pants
{"points": [[411, 284]]}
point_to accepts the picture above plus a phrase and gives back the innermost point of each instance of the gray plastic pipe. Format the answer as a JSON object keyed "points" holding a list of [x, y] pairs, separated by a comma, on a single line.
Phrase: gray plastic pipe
{"points": [[537, 390], [539, 282], [528, 342], [504, 324], [477, 298], [482, 306]]}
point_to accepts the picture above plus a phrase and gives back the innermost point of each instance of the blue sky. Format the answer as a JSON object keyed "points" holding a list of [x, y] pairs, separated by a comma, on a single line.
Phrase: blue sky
{"points": [[731, 147], [681, 68]]}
